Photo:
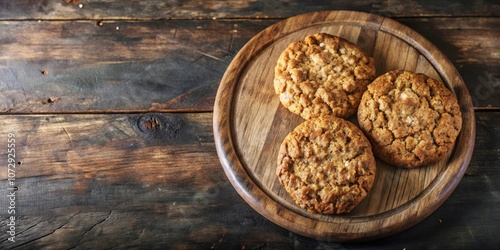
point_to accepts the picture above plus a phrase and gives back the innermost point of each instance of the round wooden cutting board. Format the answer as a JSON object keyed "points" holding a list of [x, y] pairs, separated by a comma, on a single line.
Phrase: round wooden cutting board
{"points": [[250, 124]]}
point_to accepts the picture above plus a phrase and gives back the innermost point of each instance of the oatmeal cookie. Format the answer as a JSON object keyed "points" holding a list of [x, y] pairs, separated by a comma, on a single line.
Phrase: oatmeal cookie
{"points": [[322, 75], [411, 119], [326, 164]]}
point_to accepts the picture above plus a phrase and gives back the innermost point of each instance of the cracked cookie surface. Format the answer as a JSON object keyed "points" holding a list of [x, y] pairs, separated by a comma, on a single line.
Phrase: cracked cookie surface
{"points": [[322, 75], [326, 164], [411, 119]]}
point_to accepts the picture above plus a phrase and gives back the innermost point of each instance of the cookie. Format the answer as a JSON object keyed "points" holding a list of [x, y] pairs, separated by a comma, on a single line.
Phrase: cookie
{"points": [[326, 164], [322, 75], [411, 119]]}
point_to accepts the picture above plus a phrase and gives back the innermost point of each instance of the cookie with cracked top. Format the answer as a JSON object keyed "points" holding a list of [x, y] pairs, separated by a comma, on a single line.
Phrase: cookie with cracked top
{"points": [[322, 74], [411, 119], [326, 164]]}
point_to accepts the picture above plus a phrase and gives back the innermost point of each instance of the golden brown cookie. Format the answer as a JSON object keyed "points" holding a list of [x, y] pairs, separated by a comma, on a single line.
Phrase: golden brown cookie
{"points": [[411, 119], [322, 75], [326, 164]]}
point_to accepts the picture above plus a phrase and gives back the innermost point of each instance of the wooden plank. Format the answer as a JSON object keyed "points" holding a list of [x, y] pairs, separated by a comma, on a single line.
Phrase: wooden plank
{"points": [[80, 66], [190, 9], [96, 181], [90, 147], [177, 65]]}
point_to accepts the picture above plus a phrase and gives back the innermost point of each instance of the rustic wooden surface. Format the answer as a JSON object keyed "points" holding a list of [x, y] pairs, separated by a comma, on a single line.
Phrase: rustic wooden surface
{"points": [[111, 106]]}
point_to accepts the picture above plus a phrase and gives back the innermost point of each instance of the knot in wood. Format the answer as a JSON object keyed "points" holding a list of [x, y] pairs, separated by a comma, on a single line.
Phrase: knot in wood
{"points": [[152, 124], [159, 126]]}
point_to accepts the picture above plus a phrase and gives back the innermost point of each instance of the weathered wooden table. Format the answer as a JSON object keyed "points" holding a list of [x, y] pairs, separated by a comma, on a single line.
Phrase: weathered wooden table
{"points": [[106, 122]]}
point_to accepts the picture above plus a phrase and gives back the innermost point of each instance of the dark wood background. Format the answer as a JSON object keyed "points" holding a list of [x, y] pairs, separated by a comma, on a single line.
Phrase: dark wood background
{"points": [[111, 103]]}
